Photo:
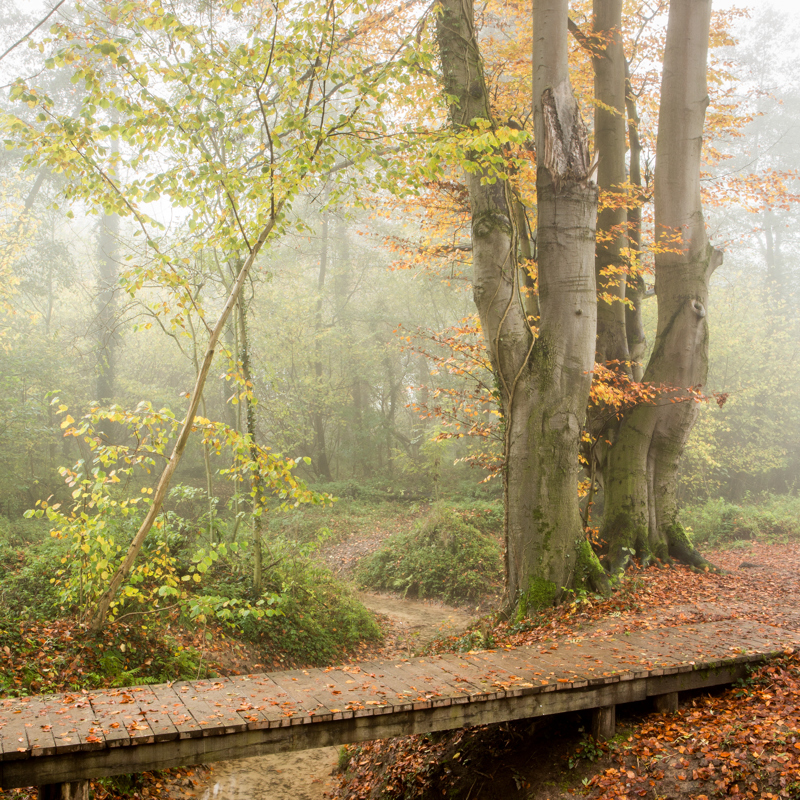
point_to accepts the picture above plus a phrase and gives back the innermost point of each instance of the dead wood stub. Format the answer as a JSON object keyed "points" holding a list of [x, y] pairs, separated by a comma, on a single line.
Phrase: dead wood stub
{"points": [[565, 153]]}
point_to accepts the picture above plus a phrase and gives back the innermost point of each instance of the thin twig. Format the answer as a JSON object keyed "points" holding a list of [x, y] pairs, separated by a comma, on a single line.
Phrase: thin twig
{"points": [[34, 28]]}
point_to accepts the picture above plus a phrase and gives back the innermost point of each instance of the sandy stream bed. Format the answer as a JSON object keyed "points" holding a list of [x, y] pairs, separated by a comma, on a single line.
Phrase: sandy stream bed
{"points": [[306, 775]]}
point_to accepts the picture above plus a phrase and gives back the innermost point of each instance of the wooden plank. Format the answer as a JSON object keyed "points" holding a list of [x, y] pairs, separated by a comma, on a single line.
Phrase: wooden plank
{"points": [[376, 693], [14, 744], [263, 702], [358, 689], [305, 703], [113, 716], [39, 728], [485, 685], [441, 686], [74, 724], [593, 668], [175, 709], [311, 690], [428, 682], [621, 660], [398, 694], [561, 673], [202, 700], [219, 696], [119, 707], [152, 709], [132, 716]]}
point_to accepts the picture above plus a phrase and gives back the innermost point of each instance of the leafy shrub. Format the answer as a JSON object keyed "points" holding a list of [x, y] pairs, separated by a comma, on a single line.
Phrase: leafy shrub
{"points": [[442, 556], [317, 620], [721, 522]]}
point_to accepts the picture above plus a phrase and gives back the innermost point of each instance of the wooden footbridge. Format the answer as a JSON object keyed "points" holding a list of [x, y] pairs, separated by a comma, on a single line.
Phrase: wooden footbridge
{"points": [[57, 742]]}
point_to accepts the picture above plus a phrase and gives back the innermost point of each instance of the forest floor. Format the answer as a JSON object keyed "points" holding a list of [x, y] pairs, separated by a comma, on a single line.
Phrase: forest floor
{"points": [[744, 742]]}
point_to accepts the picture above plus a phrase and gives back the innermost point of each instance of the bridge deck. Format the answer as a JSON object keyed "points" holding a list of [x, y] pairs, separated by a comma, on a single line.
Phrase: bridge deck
{"points": [[68, 737]]}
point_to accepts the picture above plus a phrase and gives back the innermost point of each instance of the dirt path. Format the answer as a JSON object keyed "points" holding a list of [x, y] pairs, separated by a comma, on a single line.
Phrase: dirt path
{"points": [[306, 775], [414, 623]]}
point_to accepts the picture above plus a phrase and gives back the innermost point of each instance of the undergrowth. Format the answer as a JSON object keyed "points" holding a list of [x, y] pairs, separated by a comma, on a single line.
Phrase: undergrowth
{"points": [[320, 619], [769, 517], [442, 556]]}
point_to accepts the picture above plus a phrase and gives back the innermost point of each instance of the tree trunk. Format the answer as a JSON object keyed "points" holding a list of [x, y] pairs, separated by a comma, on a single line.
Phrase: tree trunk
{"points": [[608, 60], [635, 290], [256, 480], [205, 446], [776, 278], [106, 308], [641, 505], [544, 381], [323, 468]]}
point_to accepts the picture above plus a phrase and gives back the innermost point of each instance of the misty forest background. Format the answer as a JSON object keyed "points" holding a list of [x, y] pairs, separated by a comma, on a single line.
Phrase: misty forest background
{"points": [[353, 352]]}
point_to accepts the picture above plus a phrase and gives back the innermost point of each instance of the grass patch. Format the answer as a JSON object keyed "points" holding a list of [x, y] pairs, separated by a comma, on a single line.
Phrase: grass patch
{"points": [[770, 517], [442, 556]]}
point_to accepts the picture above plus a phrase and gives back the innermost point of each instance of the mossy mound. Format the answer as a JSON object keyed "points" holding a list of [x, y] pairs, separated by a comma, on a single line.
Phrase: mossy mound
{"points": [[442, 557]]}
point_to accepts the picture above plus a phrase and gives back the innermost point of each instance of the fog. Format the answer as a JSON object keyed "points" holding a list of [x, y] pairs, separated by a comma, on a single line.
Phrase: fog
{"points": [[354, 350]]}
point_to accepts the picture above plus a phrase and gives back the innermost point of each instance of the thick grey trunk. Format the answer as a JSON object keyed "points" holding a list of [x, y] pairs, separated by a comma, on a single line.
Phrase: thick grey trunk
{"points": [[543, 382], [612, 175], [652, 439]]}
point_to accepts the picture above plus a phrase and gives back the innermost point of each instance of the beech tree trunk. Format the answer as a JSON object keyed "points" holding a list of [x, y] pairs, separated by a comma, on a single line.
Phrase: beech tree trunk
{"points": [[612, 219], [641, 507], [635, 290], [543, 381], [106, 305]]}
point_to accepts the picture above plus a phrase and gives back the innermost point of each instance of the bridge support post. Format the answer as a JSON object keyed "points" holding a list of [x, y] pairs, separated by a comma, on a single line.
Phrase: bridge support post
{"points": [[76, 790], [666, 703], [604, 722]]}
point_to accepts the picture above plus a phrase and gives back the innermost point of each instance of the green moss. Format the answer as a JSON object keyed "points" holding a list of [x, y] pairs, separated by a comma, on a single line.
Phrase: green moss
{"points": [[679, 542], [589, 572], [626, 537], [661, 551], [543, 361], [541, 594]]}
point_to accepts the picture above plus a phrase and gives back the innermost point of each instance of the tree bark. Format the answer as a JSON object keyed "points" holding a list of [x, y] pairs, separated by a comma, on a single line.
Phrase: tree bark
{"points": [[256, 480], [543, 381], [321, 462], [608, 60], [106, 308], [641, 505], [635, 290]]}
